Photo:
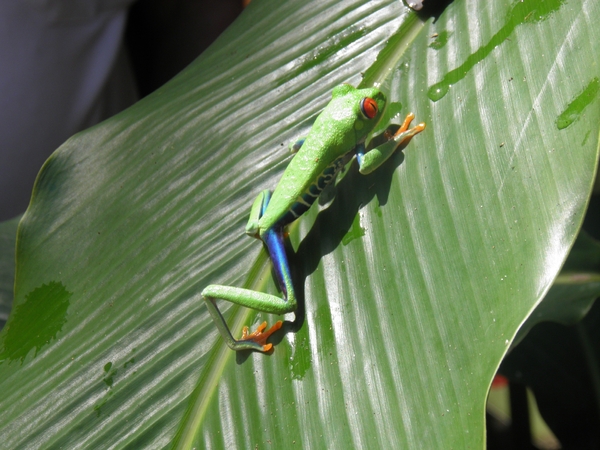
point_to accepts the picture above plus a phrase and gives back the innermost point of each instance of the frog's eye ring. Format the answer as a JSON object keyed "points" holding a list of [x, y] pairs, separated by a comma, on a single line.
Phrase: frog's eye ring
{"points": [[368, 107]]}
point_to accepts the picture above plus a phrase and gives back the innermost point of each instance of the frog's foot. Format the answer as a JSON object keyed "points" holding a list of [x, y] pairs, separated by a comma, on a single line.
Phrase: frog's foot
{"points": [[408, 134], [403, 129], [407, 120], [259, 336]]}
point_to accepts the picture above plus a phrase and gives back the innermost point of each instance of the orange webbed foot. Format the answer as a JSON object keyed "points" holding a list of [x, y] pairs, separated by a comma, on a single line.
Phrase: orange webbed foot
{"points": [[261, 337], [404, 134], [408, 119], [404, 129]]}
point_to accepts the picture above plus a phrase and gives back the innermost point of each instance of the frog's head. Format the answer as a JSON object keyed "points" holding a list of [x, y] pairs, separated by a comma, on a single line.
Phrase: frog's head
{"points": [[367, 106]]}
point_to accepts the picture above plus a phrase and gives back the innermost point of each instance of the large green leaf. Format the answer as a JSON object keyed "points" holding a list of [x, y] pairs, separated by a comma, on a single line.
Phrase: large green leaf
{"points": [[414, 279]]}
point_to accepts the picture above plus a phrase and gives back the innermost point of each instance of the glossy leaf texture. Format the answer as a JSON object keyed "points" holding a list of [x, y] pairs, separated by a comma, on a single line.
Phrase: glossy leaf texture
{"points": [[413, 280]]}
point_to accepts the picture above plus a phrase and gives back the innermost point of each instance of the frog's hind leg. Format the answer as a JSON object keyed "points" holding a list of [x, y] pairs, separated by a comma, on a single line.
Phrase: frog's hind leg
{"points": [[273, 239], [251, 299]]}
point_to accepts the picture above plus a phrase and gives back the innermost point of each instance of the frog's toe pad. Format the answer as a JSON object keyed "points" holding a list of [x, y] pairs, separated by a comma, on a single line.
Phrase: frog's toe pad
{"points": [[261, 337]]}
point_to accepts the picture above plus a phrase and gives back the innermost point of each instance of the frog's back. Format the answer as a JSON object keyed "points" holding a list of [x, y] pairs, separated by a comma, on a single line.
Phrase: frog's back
{"points": [[330, 144]]}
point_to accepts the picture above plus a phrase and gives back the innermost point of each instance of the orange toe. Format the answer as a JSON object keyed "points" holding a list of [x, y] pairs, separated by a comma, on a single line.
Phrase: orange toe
{"points": [[261, 337]]}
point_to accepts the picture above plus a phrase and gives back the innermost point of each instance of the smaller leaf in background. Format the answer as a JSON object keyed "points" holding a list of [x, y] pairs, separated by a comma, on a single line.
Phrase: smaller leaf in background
{"points": [[557, 350], [560, 365], [574, 290], [584, 257]]}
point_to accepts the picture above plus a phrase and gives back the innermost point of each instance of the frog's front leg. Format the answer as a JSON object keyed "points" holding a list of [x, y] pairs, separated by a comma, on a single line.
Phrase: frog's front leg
{"points": [[273, 239], [372, 159]]}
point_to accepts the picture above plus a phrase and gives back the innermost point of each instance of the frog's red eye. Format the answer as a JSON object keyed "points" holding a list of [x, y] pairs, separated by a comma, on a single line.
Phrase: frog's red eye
{"points": [[368, 107]]}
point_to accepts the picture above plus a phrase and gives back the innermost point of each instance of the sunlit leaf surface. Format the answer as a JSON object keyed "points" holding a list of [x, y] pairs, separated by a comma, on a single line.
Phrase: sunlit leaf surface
{"points": [[414, 279]]}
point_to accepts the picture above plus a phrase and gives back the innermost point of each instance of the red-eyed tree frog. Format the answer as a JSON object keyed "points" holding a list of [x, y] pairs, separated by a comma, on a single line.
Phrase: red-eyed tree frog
{"points": [[337, 135]]}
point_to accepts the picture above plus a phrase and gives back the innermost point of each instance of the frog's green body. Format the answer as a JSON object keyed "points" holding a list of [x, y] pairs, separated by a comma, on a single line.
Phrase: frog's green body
{"points": [[338, 134], [328, 147]]}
